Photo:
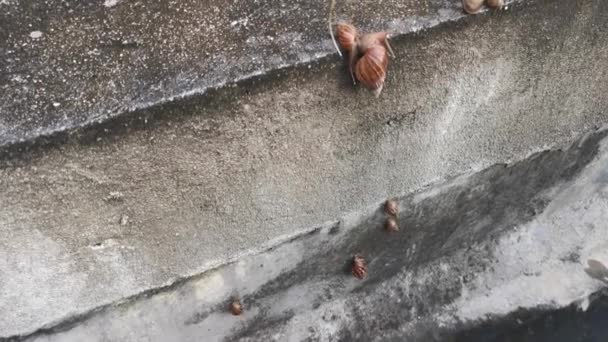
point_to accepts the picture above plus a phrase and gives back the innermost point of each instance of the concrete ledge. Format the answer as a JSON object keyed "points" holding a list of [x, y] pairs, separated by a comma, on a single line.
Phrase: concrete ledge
{"points": [[70, 64], [171, 191]]}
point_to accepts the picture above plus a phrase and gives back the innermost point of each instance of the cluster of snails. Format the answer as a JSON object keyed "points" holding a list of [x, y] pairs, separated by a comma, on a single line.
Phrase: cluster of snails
{"points": [[367, 55], [358, 265], [368, 62], [391, 209], [474, 6]]}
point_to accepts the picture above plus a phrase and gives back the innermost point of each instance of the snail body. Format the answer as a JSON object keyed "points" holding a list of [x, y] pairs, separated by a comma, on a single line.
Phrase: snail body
{"points": [[472, 6], [367, 54], [495, 3]]}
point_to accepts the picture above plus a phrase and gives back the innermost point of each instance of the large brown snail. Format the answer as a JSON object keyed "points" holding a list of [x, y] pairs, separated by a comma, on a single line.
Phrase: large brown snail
{"points": [[367, 55]]}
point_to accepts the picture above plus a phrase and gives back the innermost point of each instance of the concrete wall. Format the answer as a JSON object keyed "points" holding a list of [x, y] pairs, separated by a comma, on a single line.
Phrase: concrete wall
{"points": [[170, 191], [529, 235]]}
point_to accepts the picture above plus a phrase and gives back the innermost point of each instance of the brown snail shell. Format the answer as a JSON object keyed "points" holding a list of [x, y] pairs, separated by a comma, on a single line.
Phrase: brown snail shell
{"points": [[391, 207], [495, 3], [472, 6], [347, 36], [391, 225], [236, 308], [359, 269], [371, 68]]}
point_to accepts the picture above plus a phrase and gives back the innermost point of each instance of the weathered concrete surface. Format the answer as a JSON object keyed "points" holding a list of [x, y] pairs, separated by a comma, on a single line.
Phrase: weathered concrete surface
{"points": [[64, 64], [207, 179], [571, 323], [510, 237]]}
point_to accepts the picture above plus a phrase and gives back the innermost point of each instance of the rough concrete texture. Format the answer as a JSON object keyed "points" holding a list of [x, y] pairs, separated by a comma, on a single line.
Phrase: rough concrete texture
{"points": [[207, 179], [64, 64], [557, 325], [480, 245]]}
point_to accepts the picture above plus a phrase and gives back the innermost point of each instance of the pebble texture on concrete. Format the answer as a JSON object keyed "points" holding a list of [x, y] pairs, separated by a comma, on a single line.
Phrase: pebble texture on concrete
{"points": [[207, 179]]}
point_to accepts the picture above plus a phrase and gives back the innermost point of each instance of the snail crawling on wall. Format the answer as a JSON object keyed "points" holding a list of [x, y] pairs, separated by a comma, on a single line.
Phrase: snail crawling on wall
{"points": [[367, 55]]}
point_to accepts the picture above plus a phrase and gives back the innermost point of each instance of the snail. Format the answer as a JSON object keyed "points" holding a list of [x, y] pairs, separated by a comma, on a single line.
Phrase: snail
{"points": [[367, 55], [359, 269], [236, 307], [472, 6], [371, 69], [347, 35], [391, 207], [391, 225], [495, 3]]}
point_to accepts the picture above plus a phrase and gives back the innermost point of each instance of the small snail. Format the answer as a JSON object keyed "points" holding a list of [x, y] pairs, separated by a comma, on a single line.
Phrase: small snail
{"points": [[391, 225], [359, 269], [367, 55], [391, 207], [472, 6], [347, 34], [495, 3], [236, 308]]}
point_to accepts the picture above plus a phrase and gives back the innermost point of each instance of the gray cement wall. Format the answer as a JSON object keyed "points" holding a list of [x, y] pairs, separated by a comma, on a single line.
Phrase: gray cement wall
{"points": [[524, 235], [171, 191]]}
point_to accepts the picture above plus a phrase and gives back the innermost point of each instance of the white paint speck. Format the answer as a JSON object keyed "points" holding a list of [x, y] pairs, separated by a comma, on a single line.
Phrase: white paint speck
{"points": [[110, 3], [243, 22], [56, 104], [35, 34]]}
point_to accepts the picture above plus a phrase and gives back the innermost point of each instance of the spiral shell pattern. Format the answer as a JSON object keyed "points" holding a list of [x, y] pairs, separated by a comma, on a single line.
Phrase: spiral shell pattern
{"points": [[371, 68], [359, 269], [347, 36]]}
